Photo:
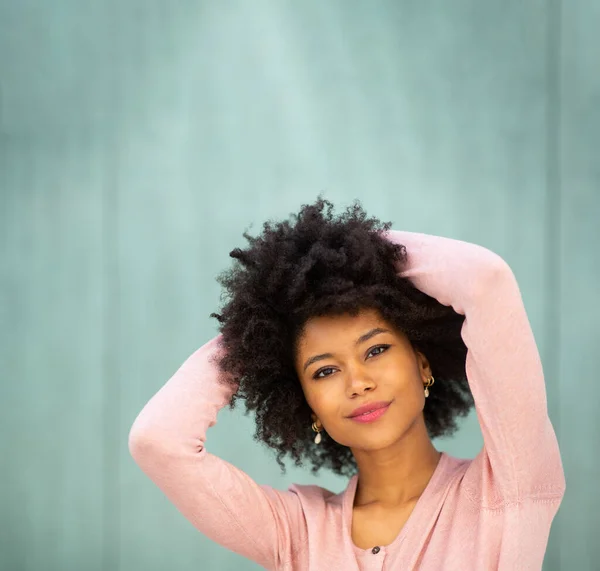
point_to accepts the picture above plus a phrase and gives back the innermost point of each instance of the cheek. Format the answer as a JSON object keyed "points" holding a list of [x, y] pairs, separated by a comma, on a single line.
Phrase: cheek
{"points": [[409, 392], [319, 399], [400, 375], [323, 399]]}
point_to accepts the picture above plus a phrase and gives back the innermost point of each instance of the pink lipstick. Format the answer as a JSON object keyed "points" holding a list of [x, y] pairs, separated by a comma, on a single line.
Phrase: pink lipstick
{"points": [[370, 412]]}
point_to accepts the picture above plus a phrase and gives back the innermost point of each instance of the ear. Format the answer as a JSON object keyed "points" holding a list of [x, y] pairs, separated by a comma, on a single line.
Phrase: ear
{"points": [[423, 364], [315, 419]]}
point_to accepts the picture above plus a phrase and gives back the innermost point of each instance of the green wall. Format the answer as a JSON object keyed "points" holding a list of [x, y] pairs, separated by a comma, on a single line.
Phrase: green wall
{"points": [[139, 139]]}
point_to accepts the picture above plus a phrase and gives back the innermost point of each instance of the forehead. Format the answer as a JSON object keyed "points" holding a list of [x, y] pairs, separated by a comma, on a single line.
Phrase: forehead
{"points": [[344, 328]]}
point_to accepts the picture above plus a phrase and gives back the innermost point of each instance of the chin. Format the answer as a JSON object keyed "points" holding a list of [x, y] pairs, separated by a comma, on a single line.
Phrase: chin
{"points": [[377, 442]]}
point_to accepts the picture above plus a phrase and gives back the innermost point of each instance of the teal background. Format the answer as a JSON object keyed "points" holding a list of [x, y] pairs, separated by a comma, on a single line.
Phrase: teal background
{"points": [[139, 139]]}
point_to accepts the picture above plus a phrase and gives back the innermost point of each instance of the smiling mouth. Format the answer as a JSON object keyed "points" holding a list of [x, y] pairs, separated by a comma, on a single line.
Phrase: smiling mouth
{"points": [[371, 415]]}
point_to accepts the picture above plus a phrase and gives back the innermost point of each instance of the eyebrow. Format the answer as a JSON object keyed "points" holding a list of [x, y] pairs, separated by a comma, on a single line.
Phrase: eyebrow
{"points": [[368, 335]]}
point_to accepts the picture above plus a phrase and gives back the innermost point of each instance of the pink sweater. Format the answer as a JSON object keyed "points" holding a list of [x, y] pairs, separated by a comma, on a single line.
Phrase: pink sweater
{"points": [[492, 512]]}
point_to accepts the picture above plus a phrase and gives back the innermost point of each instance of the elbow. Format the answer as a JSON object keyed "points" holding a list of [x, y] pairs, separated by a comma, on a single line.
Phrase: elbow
{"points": [[494, 274], [142, 441], [137, 443], [148, 451], [144, 433]]}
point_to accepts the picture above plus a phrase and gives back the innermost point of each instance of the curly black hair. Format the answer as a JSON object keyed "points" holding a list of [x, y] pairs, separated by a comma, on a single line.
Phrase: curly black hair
{"points": [[318, 264]]}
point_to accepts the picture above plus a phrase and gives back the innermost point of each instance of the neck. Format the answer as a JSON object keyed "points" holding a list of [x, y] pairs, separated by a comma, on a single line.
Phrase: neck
{"points": [[396, 475]]}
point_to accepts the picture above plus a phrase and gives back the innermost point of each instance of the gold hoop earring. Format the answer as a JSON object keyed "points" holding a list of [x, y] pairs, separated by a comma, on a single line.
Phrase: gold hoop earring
{"points": [[318, 431], [430, 382]]}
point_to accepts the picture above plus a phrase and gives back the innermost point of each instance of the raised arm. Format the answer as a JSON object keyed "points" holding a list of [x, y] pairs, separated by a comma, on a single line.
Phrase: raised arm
{"points": [[520, 454], [167, 441]]}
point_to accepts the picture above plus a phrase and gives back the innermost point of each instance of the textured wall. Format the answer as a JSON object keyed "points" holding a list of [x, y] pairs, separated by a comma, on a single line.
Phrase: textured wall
{"points": [[139, 139]]}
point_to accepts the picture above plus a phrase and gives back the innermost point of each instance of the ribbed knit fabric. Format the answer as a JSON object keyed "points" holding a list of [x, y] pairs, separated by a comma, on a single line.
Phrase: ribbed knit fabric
{"points": [[491, 512]]}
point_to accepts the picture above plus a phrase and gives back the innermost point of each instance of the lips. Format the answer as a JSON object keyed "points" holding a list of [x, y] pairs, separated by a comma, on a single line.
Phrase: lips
{"points": [[369, 408]]}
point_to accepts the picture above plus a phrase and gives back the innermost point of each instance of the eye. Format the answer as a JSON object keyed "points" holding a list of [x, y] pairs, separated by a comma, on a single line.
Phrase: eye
{"points": [[317, 375], [378, 350], [383, 348]]}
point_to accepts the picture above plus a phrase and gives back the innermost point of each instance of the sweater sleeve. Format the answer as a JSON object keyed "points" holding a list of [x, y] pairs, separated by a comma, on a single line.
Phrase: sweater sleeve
{"points": [[520, 457], [167, 441]]}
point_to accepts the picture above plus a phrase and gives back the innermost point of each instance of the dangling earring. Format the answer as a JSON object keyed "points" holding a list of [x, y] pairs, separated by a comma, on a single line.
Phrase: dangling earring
{"points": [[318, 431], [430, 382]]}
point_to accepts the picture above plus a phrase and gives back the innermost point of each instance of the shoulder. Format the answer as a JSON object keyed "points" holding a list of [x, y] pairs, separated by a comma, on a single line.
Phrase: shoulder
{"points": [[314, 496]]}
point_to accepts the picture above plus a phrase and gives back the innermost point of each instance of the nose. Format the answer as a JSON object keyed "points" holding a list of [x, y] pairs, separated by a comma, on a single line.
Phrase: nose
{"points": [[359, 381]]}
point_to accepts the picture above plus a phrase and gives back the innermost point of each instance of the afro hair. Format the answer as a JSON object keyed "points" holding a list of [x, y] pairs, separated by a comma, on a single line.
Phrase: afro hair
{"points": [[314, 264]]}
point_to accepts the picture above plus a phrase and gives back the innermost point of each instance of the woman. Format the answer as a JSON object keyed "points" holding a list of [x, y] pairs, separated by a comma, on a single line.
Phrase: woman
{"points": [[334, 330]]}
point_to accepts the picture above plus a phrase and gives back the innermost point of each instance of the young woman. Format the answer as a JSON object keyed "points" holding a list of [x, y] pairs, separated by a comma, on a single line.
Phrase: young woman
{"points": [[334, 331]]}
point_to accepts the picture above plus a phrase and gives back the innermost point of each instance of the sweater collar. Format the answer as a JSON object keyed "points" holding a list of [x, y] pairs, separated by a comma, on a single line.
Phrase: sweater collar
{"points": [[423, 515]]}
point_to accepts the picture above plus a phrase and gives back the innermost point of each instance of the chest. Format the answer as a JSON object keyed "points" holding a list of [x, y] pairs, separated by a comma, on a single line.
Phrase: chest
{"points": [[373, 526]]}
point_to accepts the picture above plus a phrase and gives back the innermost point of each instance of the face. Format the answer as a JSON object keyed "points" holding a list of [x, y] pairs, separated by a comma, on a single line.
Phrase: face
{"points": [[344, 362]]}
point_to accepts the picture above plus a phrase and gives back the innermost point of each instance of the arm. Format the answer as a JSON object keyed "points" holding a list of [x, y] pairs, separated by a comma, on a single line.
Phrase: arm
{"points": [[167, 440], [520, 454]]}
